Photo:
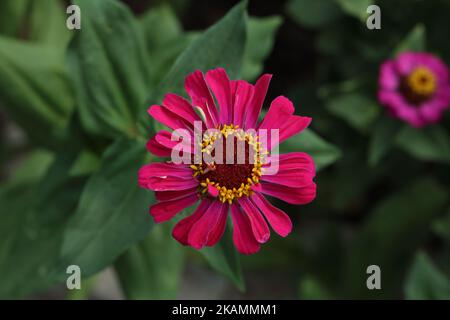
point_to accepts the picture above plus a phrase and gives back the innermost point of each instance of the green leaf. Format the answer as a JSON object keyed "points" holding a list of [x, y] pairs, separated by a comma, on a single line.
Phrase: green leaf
{"points": [[152, 269], [224, 258], [323, 153], [425, 281], [12, 13], [313, 13], [32, 223], [86, 163], [48, 23], [222, 45], [261, 35], [382, 139], [169, 27], [31, 169], [356, 8], [109, 68], [112, 213], [427, 144], [41, 108], [415, 40], [394, 230], [165, 43], [357, 110]]}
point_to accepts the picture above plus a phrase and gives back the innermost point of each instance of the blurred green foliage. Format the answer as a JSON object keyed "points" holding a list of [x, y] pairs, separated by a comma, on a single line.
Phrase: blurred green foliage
{"points": [[81, 99]]}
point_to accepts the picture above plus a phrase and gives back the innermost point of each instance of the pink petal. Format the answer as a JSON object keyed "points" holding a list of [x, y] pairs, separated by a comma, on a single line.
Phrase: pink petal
{"points": [[218, 230], [164, 169], [195, 86], [181, 107], [219, 83], [254, 108], [291, 195], [163, 211], [432, 110], [182, 228], [280, 221], [280, 116], [168, 118], [430, 114], [295, 160], [243, 237], [406, 62], [208, 227], [400, 108], [168, 183], [256, 187], [153, 174], [293, 126], [213, 191], [389, 78], [294, 170], [158, 149], [242, 96], [435, 64], [162, 144], [280, 110], [259, 226], [172, 195]]}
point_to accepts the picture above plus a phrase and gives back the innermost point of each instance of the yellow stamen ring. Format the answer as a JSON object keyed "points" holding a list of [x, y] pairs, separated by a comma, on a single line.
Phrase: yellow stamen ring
{"points": [[245, 189]]}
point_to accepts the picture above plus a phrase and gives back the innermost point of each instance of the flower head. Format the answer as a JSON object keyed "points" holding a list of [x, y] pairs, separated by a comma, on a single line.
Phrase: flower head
{"points": [[415, 87], [227, 161]]}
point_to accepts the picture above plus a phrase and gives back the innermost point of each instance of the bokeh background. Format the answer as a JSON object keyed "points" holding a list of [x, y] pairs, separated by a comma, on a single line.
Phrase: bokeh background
{"points": [[383, 187]]}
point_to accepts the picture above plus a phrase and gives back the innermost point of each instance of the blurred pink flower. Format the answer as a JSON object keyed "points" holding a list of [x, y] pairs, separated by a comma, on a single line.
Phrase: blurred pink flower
{"points": [[222, 187], [415, 88]]}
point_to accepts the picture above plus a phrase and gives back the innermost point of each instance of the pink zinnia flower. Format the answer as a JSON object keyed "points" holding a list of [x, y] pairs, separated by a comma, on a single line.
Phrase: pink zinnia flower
{"points": [[222, 187], [415, 88]]}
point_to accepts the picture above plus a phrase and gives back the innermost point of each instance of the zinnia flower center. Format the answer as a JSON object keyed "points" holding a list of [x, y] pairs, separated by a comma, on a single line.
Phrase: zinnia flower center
{"points": [[232, 173], [419, 85]]}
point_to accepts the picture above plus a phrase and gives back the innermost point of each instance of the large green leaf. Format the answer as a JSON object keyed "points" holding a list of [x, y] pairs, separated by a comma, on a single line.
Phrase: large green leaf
{"points": [[109, 68], [323, 153], [428, 144], [48, 23], [165, 43], [112, 212], [152, 268], [425, 281], [42, 108], [391, 235], [224, 258], [357, 110], [260, 40], [33, 218]]}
